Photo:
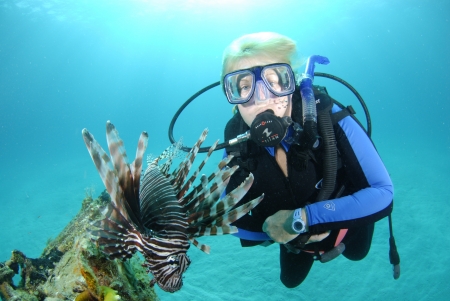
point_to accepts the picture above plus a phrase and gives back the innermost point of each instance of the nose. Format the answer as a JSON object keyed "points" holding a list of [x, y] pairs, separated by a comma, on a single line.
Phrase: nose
{"points": [[261, 91]]}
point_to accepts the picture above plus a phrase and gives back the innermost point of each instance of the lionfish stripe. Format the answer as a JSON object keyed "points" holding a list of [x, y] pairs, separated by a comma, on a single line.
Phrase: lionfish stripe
{"points": [[108, 175], [115, 238], [237, 213], [219, 176], [125, 178], [215, 230], [136, 166], [203, 247], [189, 182], [159, 207], [221, 207], [195, 191], [104, 167], [101, 159], [217, 187], [179, 176]]}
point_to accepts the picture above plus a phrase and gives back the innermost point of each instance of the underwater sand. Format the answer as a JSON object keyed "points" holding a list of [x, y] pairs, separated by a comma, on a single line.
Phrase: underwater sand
{"points": [[41, 208]]}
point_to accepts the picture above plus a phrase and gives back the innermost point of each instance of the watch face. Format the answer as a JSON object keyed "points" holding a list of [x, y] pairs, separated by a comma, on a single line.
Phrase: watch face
{"points": [[298, 226]]}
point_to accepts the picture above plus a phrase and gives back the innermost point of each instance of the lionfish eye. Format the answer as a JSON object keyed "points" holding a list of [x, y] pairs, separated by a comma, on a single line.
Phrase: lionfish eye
{"points": [[173, 261]]}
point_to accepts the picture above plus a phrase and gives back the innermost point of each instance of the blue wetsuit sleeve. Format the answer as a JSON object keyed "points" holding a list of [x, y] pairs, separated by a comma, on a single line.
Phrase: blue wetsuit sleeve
{"points": [[366, 171]]}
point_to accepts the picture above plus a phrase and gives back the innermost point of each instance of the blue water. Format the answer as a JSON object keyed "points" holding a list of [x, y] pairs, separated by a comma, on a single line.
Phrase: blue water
{"points": [[66, 65]]}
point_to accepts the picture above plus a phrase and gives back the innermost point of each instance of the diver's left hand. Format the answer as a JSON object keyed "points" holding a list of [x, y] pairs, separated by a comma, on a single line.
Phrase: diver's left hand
{"points": [[279, 226]]}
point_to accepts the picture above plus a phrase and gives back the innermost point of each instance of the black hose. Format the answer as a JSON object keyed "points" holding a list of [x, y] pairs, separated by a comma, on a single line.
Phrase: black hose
{"points": [[330, 156], [180, 110]]}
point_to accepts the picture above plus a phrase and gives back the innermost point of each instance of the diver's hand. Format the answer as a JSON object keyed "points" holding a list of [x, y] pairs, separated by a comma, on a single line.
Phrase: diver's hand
{"points": [[318, 237], [279, 227]]}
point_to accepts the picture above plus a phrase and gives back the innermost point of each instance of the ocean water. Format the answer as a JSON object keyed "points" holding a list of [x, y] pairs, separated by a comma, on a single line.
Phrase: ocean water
{"points": [[66, 65]]}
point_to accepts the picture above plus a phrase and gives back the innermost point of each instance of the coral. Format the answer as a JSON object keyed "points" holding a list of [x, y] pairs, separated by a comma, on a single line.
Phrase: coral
{"points": [[72, 268], [85, 296], [108, 294], [105, 294], [7, 292]]}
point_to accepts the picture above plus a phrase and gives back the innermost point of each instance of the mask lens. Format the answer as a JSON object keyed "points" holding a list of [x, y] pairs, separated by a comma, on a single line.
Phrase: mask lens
{"points": [[239, 86], [279, 79]]}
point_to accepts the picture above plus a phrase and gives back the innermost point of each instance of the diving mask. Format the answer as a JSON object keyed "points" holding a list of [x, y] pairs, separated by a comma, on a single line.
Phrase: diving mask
{"points": [[269, 82]]}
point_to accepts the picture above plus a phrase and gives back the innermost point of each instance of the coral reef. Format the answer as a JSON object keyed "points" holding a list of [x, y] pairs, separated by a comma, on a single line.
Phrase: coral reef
{"points": [[72, 268]]}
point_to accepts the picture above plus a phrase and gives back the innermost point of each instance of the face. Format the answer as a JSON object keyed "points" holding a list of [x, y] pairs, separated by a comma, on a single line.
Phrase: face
{"points": [[262, 99], [168, 272]]}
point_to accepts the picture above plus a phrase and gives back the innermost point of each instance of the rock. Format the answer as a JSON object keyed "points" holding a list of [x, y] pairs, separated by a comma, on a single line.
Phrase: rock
{"points": [[71, 267]]}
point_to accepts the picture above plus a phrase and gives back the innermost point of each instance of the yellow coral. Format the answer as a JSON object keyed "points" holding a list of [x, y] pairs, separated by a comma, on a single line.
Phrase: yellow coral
{"points": [[104, 294], [108, 294], [85, 296]]}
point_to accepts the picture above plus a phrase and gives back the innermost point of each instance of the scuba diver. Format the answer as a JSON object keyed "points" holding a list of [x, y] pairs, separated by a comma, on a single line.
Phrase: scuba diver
{"points": [[324, 183]]}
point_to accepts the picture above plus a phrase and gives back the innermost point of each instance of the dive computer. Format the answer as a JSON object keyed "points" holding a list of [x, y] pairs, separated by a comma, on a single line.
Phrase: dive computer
{"points": [[298, 224]]}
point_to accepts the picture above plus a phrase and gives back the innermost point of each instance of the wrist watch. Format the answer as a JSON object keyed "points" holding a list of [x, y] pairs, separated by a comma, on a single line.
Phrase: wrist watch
{"points": [[298, 224]]}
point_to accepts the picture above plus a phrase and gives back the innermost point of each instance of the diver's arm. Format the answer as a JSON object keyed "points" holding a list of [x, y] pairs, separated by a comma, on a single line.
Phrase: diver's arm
{"points": [[364, 169]]}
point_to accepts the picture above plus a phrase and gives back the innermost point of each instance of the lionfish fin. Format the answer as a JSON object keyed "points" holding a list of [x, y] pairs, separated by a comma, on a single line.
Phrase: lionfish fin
{"points": [[211, 213], [237, 213], [221, 225], [200, 194], [214, 230], [127, 180], [179, 175], [200, 246], [189, 182], [112, 234], [105, 169], [136, 166], [171, 152]]}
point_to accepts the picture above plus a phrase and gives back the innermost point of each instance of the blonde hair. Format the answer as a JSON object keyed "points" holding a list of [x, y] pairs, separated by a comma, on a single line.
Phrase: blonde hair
{"points": [[269, 46]]}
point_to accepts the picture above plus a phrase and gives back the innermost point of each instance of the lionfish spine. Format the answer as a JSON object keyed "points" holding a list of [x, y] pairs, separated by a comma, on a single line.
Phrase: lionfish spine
{"points": [[127, 180], [136, 166], [180, 174], [221, 213], [114, 233], [220, 177], [106, 170], [189, 182]]}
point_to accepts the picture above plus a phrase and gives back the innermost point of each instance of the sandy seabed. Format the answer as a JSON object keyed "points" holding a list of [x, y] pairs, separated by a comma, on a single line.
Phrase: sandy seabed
{"points": [[38, 202]]}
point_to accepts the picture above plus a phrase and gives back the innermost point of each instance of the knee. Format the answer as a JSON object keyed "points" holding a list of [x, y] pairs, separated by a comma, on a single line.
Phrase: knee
{"points": [[357, 251], [291, 282], [355, 256]]}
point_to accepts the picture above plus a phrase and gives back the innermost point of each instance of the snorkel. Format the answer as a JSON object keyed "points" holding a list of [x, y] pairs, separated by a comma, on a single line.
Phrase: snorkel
{"points": [[310, 134]]}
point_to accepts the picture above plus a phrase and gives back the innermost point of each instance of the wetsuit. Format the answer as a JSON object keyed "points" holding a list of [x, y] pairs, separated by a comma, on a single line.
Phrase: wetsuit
{"points": [[367, 197]]}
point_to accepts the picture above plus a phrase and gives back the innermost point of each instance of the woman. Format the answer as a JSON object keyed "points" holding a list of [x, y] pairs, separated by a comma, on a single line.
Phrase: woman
{"points": [[257, 77]]}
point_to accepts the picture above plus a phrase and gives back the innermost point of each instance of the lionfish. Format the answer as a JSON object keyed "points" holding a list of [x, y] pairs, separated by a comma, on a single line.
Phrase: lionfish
{"points": [[156, 215]]}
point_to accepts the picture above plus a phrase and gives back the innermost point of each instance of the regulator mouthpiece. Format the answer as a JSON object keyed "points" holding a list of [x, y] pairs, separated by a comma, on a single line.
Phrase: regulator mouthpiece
{"points": [[268, 129]]}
